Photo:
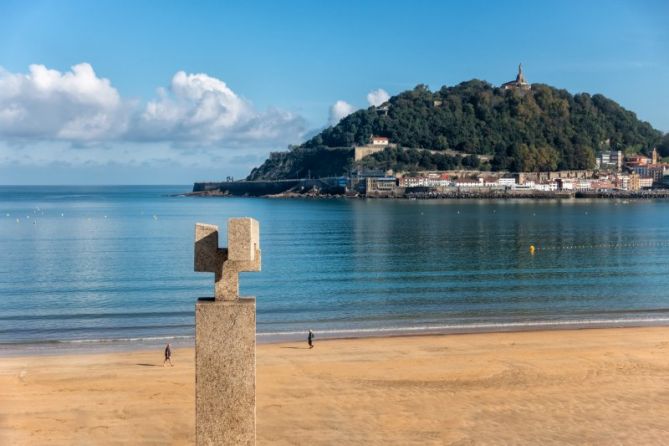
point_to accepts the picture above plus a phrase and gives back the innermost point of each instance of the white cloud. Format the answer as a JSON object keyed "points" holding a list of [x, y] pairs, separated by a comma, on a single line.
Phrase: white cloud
{"points": [[196, 107], [78, 106], [377, 97], [339, 111], [48, 104], [200, 109]]}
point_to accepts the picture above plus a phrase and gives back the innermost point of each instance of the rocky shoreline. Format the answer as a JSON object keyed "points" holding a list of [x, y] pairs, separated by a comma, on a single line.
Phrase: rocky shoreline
{"points": [[455, 195]]}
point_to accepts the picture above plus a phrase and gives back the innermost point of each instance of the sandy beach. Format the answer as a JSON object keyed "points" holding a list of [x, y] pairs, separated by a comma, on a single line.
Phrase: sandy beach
{"points": [[607, 386]]}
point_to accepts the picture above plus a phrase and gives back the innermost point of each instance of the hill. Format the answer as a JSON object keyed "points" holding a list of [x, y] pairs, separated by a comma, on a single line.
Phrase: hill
{"points": [[540, 129]]}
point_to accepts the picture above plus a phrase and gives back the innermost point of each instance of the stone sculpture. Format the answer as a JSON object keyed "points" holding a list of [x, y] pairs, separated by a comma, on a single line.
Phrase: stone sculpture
{"points": [[225, 337], [242, 254]]}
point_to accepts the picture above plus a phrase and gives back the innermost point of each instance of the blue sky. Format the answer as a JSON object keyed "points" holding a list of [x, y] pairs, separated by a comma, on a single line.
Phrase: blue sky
{"points": [[172, 92]]}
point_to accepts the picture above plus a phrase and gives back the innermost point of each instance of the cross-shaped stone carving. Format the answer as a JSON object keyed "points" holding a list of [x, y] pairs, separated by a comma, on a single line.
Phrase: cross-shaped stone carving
{"points": [[242, 254]]}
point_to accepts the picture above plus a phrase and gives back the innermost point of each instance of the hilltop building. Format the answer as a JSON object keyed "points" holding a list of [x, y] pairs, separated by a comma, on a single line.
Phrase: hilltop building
{"points": [[520, 83], [383, 109], [379, 141]]}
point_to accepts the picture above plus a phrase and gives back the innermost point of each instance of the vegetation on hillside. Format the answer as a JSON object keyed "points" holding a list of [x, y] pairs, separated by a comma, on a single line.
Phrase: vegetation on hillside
{"points": [[663, 146], [542, 129], [401, 160], [302, 162]]}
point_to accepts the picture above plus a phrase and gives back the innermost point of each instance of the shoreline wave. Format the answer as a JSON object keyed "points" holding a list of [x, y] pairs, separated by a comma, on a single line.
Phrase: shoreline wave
{"points": [[50, 346], [483, 327]]}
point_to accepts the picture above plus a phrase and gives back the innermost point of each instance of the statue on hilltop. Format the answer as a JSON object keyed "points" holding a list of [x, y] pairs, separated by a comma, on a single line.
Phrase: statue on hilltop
{"points": [[520, 83]]}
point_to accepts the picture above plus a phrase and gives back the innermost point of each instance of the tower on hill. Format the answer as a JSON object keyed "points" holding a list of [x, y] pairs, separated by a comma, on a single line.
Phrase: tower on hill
{"points": [[520, 83]]}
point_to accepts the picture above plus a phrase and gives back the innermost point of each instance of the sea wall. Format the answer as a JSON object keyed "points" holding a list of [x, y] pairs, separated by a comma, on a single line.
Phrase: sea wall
{"points": [[260, 188]]}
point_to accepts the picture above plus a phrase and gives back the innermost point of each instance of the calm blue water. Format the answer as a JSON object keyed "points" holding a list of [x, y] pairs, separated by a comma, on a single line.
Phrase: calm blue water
{"points": [[116, 263]]}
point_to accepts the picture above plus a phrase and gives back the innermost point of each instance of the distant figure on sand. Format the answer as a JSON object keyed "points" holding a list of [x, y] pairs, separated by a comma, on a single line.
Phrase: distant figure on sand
{"points": [[310, 339], [168, 356]]}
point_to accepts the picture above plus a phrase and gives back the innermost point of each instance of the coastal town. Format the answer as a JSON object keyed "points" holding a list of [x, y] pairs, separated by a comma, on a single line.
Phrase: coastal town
{"points": [[615, 172], [615, 175], [389, 167]]}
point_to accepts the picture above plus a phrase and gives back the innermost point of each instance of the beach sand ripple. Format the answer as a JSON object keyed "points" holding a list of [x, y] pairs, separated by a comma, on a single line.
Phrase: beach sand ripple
{"points": [[608, 386]]}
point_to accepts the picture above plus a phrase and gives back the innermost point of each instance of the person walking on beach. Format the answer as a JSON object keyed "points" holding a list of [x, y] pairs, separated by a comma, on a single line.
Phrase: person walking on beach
{"points": [[168, 356], [310, 339]]}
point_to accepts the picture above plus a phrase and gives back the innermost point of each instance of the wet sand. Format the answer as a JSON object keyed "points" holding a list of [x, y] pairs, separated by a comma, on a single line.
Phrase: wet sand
{"points": [[607, 386]]}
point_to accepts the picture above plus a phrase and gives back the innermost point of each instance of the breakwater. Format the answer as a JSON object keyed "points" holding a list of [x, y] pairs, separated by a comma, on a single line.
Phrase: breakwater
{"points": [[632, 195], [338, 186], [332, 185]]}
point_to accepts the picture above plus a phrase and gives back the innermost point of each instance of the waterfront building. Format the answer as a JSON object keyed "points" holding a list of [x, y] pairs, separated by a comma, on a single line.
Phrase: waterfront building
{"points": [[634, 183], [407, 181], [380, 185], [429, 180], [490, 181], [435, 180], [544, 187], [566, 183], [647, 182], [654, 171], [602, 185], [544, 177], [621, 182], [506, 182], [468, 182], [414, 181]]}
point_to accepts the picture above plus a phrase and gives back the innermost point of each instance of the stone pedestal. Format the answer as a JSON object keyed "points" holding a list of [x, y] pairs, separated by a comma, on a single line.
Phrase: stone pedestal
{"points": [[225, 372]]}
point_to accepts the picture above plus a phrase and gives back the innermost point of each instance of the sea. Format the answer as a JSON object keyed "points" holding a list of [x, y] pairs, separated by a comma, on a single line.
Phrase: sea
{"points": [[85, 267]]}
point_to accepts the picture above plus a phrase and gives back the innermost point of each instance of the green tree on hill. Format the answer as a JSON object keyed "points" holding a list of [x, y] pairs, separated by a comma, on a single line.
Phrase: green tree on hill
{"points": [[663, 146], [475, 117], [541, 129]]}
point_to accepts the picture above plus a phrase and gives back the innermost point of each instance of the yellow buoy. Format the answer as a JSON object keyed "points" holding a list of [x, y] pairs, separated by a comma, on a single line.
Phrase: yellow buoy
{"points": [[531, 249]]}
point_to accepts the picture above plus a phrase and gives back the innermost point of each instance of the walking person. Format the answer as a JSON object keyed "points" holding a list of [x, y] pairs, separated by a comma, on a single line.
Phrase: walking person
{"points": [[168, 356], [310, 339]]}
